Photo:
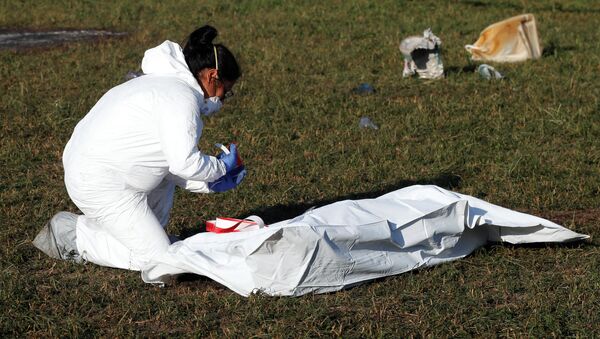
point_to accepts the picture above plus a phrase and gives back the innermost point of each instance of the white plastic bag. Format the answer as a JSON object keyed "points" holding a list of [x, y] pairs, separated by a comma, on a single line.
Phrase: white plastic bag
{"points": [[422, 56], [512, 40]]}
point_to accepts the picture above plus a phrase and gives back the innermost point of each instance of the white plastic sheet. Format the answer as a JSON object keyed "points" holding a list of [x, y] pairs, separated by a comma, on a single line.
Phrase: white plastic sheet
{"points": [[349, 242]]}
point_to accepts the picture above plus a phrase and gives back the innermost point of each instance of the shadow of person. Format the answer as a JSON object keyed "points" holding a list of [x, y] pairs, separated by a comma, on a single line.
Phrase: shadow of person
{"points": [[281, 212]]}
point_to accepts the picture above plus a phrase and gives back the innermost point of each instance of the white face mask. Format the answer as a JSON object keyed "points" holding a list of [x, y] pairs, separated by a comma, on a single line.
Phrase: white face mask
{"points": [[211, 106]]}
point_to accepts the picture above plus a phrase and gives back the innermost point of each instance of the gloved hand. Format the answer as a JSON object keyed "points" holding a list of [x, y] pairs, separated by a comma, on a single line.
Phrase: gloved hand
{"points": [[228, 181], [230, 159]]}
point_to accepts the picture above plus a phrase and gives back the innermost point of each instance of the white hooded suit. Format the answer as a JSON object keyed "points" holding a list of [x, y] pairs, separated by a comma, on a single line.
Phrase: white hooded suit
{"points": [[126, 156]]}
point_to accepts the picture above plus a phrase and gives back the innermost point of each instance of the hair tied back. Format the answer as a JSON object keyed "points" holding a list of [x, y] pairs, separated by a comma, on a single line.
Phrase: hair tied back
{"points": [[202, 37]]}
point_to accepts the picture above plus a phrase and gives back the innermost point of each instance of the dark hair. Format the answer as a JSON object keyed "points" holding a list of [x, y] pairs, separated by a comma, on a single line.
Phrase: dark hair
{"points": [[199, 54]]}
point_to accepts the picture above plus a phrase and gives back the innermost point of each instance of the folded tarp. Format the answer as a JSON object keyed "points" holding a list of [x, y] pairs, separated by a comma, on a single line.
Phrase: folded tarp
{"points": [[353, 241]]}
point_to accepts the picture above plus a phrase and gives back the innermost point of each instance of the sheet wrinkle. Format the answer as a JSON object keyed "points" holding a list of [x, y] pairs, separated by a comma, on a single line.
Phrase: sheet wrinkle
{"points": [[303, 272]]}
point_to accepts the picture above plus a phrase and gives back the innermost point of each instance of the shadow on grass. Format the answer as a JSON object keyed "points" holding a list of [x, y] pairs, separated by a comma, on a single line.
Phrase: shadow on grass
{"points": [[553, 50], [586, 243], [281, 212], [191, 279], [554, 7], [458, 70], [477, 3]]}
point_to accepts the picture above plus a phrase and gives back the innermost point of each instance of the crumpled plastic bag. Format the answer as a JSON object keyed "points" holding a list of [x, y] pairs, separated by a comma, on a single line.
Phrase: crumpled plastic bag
{"points": [[488, 72], [422, 56], [511, 40]]}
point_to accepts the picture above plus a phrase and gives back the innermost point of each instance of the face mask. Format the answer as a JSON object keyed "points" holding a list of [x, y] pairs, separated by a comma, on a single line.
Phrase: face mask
{"points": [[211, 106]]}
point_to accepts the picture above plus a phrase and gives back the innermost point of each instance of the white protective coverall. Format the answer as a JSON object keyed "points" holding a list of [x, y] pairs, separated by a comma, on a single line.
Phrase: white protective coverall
{"points": [[126, 156]]}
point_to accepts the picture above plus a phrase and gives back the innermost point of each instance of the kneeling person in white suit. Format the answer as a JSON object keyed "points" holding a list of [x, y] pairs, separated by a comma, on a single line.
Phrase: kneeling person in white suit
{"points": [[140, 140]]}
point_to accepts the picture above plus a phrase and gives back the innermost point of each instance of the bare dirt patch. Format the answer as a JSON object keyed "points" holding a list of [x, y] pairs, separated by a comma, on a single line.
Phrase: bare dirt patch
{"points": [[23, 39]]}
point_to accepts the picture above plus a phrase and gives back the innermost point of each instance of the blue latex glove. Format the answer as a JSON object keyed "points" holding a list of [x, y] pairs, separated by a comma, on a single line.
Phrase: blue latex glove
{"points": [[230, 159], [228, 181]]}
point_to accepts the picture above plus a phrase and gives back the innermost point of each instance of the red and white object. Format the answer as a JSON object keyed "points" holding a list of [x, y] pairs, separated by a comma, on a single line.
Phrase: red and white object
{"points": [[225, 150], [227, 225]]}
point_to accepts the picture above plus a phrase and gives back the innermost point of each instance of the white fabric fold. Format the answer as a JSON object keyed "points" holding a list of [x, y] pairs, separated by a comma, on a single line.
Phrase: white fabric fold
{"points": [[349, 242]]}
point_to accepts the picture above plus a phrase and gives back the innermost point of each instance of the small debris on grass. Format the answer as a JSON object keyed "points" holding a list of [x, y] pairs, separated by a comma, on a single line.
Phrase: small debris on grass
{"points": [[488, 72], [364, 88], [422, 56], [366, 122]]}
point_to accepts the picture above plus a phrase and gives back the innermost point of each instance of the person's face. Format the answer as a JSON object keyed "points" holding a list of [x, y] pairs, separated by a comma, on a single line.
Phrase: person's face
{"points": [[224, 89], [213, 86]]}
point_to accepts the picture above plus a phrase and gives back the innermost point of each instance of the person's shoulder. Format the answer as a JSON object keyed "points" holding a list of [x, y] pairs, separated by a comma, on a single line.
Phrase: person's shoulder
{"points": [[172, 95], [172, 87], [169, 82]]}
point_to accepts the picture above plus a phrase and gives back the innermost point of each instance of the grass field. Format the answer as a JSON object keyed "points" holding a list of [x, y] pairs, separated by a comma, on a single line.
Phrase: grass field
{"points": [[529, 142]]}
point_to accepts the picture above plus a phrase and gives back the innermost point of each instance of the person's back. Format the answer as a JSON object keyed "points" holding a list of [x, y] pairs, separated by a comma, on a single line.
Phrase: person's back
{"points": [[122, 132]]}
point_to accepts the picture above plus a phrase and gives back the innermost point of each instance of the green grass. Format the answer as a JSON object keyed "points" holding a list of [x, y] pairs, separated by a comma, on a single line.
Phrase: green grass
{"points": [[529, 142]]}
